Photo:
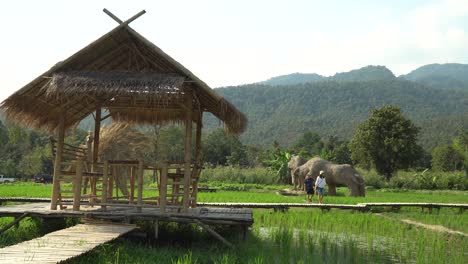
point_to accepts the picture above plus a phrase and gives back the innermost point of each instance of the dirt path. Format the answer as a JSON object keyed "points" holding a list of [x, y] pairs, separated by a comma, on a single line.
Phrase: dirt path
{"points": [[437, 228]]}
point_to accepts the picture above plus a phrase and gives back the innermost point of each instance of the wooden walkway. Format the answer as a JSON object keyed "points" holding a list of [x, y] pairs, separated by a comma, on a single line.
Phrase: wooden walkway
{"points": [[63, 244], [358, 207]]}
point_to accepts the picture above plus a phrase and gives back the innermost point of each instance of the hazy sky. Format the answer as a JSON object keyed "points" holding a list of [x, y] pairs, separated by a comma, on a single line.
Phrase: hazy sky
{"points": [[237, 42]]}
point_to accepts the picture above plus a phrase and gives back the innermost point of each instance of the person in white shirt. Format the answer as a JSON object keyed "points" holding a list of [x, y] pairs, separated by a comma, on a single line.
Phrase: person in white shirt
{"points": [[320, 186]]}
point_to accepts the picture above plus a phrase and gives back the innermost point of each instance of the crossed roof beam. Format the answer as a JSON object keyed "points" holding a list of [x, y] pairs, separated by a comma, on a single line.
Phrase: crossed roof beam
{"points": [[126, 22]]}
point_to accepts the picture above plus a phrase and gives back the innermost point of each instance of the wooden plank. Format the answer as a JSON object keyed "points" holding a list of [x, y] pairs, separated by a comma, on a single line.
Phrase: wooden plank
{"points": [[64, 244]]}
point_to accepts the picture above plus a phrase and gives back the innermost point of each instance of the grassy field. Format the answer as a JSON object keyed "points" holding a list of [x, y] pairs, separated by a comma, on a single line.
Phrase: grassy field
{"points": [[298, 236], [269, 195]]}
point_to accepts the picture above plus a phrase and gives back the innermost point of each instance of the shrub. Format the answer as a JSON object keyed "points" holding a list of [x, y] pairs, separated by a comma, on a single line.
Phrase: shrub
{"points": [[237, 174]]}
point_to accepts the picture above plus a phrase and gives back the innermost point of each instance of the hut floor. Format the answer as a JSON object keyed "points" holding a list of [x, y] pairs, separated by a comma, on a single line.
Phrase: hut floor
{"points": [[64, 244], [208, 215]]}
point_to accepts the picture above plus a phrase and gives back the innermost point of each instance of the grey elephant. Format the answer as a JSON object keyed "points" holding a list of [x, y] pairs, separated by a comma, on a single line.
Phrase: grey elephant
{"points": [[335, 174], [293, 164]]}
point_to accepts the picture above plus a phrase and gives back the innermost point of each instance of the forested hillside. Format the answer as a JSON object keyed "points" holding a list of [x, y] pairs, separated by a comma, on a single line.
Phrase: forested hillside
{"points": [[368, 73], [442, 76], [284, 113]]}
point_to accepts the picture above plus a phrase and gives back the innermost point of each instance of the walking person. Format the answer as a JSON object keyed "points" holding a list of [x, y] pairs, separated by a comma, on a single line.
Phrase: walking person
{"points": [[309, 187], [320, 186]]}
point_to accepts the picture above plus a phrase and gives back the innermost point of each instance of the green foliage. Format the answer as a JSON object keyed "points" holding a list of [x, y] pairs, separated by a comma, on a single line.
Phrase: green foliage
{"points": [[425, 180], [308, 145], [446, 158], [222, 149], [237, 174], [279, 163], [285, 113], [387, 141]]}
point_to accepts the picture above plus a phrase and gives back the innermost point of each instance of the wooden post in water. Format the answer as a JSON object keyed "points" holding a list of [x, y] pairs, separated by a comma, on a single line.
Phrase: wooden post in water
{"points": [[140, 186], [105, 175], [188, 149], [58, 161], [77, 184], [163, 189]]}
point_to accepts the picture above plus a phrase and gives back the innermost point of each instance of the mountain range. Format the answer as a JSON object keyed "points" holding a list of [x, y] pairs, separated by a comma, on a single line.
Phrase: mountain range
{"points": [[434, 97]]}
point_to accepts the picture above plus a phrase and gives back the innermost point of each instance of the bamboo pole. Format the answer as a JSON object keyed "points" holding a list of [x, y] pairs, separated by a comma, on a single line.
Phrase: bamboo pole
{"points": [[198, 160], [97, 130], [140, 186], [16, 221], [214, 233], [77, 185], [105, 175], [58, 161], [132, 184], [188, 149], [163, 188], [110, 189]]}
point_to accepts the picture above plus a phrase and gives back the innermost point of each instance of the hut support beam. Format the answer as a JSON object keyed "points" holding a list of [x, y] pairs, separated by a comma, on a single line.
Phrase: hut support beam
{"points": [[58, 161], [188, 149], [15, 222], [97, 128], [198, 162]]}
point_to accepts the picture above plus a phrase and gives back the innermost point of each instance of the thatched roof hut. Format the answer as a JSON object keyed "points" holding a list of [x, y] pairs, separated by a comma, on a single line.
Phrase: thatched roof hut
{"points": [[137, 83], [124, 73]]}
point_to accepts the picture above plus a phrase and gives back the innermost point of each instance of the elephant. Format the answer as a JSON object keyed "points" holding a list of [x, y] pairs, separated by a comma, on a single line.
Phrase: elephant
{"points": [[295, 162], [335, 174]]}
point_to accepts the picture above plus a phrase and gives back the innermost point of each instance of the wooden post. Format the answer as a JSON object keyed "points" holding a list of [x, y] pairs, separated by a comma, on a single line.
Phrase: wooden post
{"points": [[97, 130], [163, 189], [77, 185], [58, 161], [105, 175], [89, 158], [132, 184], [156, 229], [140, 186], [110, 190], [198, 161], [188, 149]]}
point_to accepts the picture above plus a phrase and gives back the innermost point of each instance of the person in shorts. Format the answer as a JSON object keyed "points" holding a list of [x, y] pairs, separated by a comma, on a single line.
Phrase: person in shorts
{"points": [[309, 187], [320, 186]]}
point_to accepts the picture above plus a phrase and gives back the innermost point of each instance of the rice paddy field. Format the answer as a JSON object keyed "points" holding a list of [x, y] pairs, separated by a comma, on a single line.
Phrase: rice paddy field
{"points": [[296, 236]]}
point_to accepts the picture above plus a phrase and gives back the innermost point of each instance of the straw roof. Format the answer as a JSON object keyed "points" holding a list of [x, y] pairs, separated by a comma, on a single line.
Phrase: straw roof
{"points": [[122, 72]]}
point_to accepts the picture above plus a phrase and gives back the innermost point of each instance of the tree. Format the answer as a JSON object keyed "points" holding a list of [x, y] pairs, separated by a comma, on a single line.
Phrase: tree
{"points": [[446, 158], [222, 149], [387, 141], [308, 145]]}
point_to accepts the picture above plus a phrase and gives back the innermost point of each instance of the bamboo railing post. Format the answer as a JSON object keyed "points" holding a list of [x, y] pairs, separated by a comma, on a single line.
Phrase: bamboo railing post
{"points": [[132, 184], [140, 186], [105, 175], [163, 189], [77, 184], [188, 149], [58, 162]]}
